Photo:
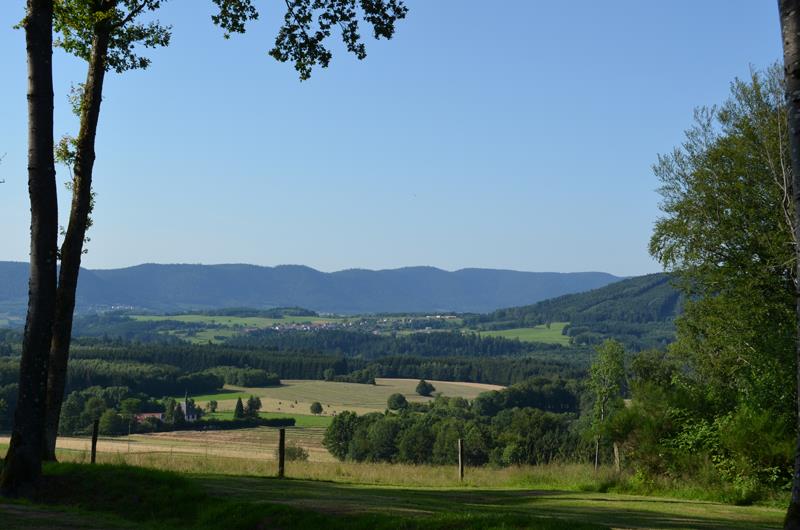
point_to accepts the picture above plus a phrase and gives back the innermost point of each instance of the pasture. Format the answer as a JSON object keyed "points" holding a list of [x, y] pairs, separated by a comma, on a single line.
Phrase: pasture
{"points": [[295, 396], [541, 333], [301, 420]]}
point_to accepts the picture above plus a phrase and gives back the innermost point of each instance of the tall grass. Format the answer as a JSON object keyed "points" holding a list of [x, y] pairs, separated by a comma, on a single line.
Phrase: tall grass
{"points": [[568, 477], [163, 500], [553, 477]]}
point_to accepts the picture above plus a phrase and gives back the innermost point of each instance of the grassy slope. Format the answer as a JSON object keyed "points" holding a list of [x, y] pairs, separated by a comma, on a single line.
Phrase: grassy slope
{"points": [[541, 333], [106, 496]]}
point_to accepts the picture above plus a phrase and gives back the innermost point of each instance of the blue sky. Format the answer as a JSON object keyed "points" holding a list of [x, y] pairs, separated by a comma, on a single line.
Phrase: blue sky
{"points": [[515, 134]]}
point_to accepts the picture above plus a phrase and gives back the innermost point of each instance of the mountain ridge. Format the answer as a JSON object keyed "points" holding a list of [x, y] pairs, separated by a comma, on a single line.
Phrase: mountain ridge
{"points": [[173, 287]]}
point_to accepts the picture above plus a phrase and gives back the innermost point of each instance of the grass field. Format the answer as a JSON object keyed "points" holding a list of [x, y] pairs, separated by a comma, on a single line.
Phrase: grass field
{"points": [[295, 396], [542, 333], [237, 466], [345, 495], [301, 420]]}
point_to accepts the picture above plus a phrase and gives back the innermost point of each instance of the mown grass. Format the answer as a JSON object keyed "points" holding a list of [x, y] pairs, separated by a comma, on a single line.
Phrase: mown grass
{"points": [[301, 420], [123, 497], [373, 496], [541, 333]]}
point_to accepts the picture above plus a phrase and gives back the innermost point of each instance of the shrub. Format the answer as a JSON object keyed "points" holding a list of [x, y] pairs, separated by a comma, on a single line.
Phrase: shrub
{"points": [[424, 388], [294, 453], [397, 402]]}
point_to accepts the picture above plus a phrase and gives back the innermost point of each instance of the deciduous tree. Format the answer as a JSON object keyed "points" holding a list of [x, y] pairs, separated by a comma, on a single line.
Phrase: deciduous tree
{"points": [[790, 30], [105, 33], [22, 467], [606, 379]]}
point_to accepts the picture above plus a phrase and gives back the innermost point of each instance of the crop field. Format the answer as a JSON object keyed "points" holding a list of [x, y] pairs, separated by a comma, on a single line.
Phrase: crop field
{"points": [[541, 333], [251, 450], [295, 396]]}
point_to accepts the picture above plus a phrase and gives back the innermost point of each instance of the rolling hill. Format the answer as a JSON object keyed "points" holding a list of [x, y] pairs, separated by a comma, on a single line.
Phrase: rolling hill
{"points": [[638, 311], [411, 289]]}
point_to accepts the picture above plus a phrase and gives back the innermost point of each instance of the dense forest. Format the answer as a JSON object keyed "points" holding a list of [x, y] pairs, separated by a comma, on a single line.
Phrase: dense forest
{"points": [[535, 422]]}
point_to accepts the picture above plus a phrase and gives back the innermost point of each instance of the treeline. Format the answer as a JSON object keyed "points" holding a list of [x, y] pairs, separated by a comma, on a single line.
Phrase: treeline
{"points": [[531, 423], [275, 312], [122, 328], [233, 375], [150, 379], [310, 365], [373, 346], [153, 379]]}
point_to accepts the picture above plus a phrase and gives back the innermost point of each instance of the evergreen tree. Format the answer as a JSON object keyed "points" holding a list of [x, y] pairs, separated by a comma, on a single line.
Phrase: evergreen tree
{"points": [[238, 411]]}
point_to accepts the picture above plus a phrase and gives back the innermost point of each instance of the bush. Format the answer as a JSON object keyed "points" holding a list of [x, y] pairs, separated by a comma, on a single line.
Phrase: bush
{"points": [[316, 408], [294, 453], [397, 402], [424, 388], [112, 423]]}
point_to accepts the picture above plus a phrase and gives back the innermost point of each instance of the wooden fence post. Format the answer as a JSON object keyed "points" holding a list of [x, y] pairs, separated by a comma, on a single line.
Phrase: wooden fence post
{"points": [[281, 452], [460, 460], [95, 427]]}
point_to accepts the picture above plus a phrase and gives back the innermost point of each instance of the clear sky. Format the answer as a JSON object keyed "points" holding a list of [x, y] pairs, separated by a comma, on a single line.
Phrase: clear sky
{"points": [[505, 134]]}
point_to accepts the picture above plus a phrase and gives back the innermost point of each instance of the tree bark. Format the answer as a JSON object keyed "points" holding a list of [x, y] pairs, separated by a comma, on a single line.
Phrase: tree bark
{"points": [[23, 464], [72, 247], [790, 31]]}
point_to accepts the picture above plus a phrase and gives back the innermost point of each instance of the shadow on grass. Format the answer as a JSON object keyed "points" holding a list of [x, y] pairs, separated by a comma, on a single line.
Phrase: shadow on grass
{"points": [[597, 508], [113, 496]]}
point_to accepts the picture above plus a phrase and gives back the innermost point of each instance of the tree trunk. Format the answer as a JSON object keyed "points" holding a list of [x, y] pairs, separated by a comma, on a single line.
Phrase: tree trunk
{"points": [[72, 248], [597, 439], [790, 27], [23, 464]]}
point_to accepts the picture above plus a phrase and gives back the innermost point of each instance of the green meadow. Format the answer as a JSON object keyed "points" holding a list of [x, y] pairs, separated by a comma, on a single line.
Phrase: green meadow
{"points": [[541, 333], [301, 420], [116, 495]]}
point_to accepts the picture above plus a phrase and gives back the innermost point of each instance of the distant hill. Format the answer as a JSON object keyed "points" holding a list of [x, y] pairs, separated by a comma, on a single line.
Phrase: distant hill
{"points": [[638, 311], [411, 289]]}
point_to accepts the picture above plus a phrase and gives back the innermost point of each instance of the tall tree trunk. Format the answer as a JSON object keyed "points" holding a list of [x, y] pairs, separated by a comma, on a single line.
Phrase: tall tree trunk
{"points": [[72, 248], [23, 464], [790, 31]]}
